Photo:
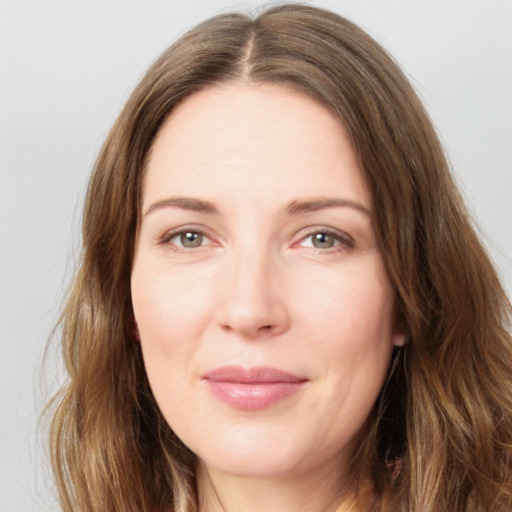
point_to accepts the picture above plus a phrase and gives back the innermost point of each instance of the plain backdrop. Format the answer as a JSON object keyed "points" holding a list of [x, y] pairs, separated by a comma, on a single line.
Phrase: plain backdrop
{"points": [[67, 67]]}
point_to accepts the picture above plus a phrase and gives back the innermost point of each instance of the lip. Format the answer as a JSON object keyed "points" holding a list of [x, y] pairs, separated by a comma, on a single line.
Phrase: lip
{"points": [[252, 388]]}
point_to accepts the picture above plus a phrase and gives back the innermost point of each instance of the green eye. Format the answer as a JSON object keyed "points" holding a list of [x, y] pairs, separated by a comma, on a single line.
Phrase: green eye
{"points": [[323, 240], [190, 239]]}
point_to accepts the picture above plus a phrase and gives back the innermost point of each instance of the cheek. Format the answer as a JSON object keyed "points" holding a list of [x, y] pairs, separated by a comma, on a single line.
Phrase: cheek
{"points": [[165, 320], [162, 321], [167, 307], [353, 308], [351, 322]]}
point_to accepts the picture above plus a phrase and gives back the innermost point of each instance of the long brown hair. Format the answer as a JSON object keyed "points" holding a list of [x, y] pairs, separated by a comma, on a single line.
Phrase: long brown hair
{"points": [[440, 436]]}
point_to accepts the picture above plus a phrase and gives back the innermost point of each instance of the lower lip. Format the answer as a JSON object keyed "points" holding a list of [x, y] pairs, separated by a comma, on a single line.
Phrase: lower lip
{"points": [[253, 396]]}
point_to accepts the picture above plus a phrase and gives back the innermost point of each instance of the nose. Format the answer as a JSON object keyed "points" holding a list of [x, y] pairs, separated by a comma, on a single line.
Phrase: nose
{"points": [[252, 300]]}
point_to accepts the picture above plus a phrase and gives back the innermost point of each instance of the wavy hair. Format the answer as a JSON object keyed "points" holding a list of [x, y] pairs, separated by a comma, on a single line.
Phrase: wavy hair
{"points": [[440, 435]]}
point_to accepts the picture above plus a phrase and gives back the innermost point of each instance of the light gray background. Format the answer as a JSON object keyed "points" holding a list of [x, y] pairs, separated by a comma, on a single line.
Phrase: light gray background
{"points": [[67, 67]]}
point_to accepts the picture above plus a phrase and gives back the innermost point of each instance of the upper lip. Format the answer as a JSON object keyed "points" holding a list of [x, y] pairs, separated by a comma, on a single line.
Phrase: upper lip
{"points": [[253, 375]]}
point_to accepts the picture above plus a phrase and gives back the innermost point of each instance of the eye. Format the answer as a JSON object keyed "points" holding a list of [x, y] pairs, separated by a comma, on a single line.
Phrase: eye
{"points": [[325, 239], [186, 239], [190, 239]]}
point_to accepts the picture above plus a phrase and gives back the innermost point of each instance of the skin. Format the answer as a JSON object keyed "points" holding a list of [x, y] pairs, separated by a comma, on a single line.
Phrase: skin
{"points": [[262, 281]]}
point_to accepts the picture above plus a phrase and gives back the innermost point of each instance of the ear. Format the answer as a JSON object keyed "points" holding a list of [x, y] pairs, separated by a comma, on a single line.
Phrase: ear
{"points": [[399, 339], [136, 333], [399, 335]]}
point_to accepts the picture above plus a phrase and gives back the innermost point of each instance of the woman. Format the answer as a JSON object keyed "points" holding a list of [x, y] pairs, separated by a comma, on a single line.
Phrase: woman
{"points": [[282, 304]]}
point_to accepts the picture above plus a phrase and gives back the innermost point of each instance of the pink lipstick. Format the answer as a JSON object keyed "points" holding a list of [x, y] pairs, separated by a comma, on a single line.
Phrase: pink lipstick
{"points": [[252, 388]]}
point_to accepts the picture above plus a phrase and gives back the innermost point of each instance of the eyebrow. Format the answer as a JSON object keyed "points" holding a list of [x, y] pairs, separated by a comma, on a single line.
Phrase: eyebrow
{"points": [[311, 205], [185, 203], [296, 207]]}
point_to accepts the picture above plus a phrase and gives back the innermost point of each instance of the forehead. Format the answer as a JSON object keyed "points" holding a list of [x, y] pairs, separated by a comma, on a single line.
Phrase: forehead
{"points": [[245, 137]]}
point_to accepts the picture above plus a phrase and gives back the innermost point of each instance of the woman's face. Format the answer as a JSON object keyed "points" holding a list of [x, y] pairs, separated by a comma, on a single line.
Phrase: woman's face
{"points": [[264, 312]]}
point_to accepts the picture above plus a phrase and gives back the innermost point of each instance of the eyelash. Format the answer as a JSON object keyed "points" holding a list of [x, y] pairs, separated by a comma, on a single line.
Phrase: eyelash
{"points": [[168, 237], [342, 240]]}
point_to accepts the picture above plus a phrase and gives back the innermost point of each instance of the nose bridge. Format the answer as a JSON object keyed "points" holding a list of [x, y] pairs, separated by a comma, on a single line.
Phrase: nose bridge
{"points": [[252, 299]]}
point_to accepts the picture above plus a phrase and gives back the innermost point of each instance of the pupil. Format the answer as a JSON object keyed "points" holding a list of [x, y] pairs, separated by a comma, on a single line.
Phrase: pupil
{"points": [[191, 239], [322, 240]]}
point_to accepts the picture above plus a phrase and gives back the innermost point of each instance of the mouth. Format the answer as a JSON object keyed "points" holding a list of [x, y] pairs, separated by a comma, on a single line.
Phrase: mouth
{"points": [[252, 388]]}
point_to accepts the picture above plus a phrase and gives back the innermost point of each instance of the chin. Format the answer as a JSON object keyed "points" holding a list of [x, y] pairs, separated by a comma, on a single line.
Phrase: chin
{"points": [[248, 453], [251, 465]]}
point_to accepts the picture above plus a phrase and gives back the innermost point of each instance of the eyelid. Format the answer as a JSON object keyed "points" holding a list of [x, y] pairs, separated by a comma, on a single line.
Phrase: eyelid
{"points": [[166, 238], [345, 240]]}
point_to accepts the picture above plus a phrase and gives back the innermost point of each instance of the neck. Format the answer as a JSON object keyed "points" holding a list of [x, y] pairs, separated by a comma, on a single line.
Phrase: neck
{"points": [[314, 492]]}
